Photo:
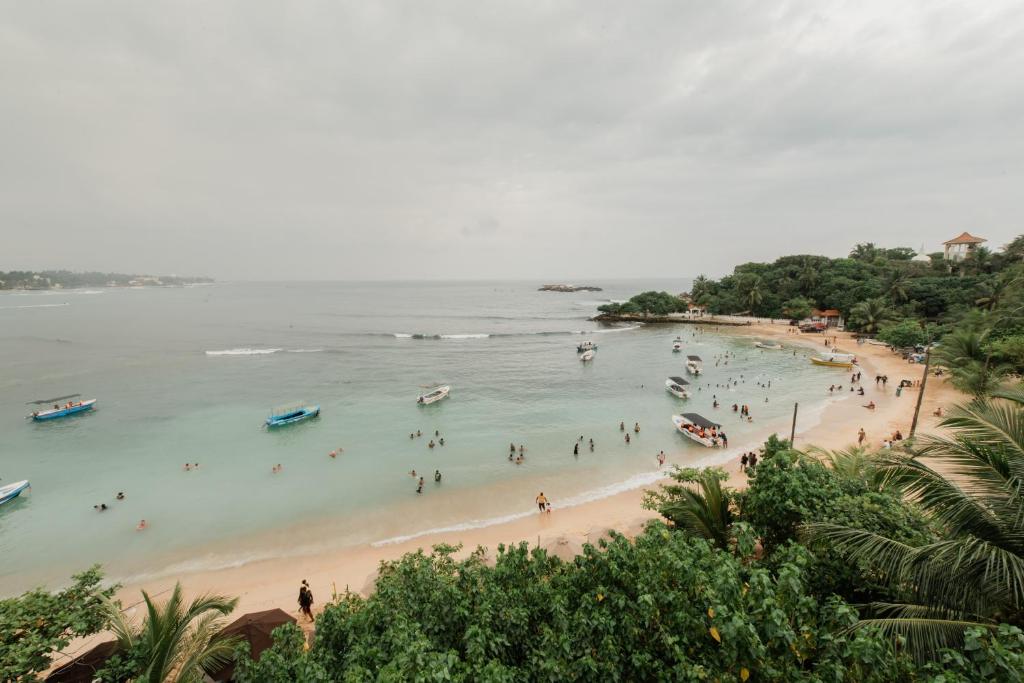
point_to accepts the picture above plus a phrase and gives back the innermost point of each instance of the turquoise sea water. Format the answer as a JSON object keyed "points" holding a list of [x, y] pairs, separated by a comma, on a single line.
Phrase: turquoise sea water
{"points": [[189, 374]]}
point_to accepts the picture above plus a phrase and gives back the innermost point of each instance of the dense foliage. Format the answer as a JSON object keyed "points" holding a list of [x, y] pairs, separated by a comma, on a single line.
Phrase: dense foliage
{"points": [[667, 607], [647, 303], [46, 279], [39, 623]]}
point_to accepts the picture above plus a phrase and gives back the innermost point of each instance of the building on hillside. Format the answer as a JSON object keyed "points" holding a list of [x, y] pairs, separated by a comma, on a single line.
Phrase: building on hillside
{"points": [[830, 316], [961, 246]]}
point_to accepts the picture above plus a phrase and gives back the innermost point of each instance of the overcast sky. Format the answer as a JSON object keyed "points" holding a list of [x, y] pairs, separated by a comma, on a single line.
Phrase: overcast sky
{"points": [[552, 140]]}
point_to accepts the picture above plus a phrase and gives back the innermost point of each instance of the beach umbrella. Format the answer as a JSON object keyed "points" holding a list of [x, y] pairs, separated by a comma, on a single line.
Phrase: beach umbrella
{"points": [[563, 547], [83, 668], [254, 628]]}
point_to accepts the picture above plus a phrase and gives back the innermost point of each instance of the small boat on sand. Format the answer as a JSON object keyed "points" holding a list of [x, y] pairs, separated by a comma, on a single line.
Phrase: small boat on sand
{"points": [[280, 417], [770, 345], [12, 491], [699, 429], [434, 395], [586, 346], [677, 387], [587, 355], [694, 365], [834, 359], [70, 408]]}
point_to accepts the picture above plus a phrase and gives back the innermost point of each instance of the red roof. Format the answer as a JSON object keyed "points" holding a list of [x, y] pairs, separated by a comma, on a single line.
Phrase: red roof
{"points": [[966, 238], [828, 313]]}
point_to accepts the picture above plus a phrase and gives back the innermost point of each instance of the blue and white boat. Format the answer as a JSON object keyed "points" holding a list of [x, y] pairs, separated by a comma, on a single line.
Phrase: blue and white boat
{"points": [[12, 491], [70, 408], [280, 417]]}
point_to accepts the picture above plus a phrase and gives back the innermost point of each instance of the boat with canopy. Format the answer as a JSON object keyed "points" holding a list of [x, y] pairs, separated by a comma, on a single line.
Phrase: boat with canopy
{"points": [[694, 365], [700, 429], [58, 410], [677, 387]]}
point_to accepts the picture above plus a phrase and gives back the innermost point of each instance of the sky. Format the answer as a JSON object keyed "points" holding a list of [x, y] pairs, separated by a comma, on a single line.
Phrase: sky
{"points": [[559, 141]]}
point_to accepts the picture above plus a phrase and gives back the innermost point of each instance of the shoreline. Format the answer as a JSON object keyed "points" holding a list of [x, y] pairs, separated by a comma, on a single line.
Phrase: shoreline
{"points": [[271, 582]]}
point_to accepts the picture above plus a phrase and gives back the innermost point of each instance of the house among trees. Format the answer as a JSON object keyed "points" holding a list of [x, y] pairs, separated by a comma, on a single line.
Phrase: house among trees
{"points": [[830, 316], [961, 246]]}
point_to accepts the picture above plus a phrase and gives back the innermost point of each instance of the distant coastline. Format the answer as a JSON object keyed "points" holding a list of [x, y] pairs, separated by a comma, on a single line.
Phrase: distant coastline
{"points": [[569, 288], [675, 318], [66, 279]]}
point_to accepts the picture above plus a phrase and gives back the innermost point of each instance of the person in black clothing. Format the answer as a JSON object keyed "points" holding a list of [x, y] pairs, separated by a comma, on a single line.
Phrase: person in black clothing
{"points": [[306, 600], [576, 448]]}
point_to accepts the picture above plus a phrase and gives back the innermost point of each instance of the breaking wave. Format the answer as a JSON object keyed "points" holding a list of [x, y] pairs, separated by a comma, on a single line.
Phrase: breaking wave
{"points": [[242, 352]]}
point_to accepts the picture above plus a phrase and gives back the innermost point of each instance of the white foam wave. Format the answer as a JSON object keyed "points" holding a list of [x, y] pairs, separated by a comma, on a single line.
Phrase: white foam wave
{"points": [[618, 329], [35, 306], [464, 336], [304, 350], [242, 352], [89, 291], [400, 335]]}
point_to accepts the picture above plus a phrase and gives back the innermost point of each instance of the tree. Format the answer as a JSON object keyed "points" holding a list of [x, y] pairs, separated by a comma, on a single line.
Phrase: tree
{"points": [[973, 574], [751, 291], [905, 333], [808, 277], [979, 260], [966, 354], [696, 503], [797, 308], [701, 287], [991, 292], [870, 315], [38, 623], [865, 251], [175, 641], [896, 285]]}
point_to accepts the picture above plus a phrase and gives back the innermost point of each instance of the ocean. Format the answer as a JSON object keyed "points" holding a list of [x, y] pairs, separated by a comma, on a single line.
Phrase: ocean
{"points": [[189, 374]]}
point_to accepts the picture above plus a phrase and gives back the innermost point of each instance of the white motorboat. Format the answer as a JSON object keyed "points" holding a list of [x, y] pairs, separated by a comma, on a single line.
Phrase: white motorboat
{"points": [[434, 396], [586, 346], [699, 429], [587, 355], [770, 345], [677, 345], [677, 387], [12, 491], [694, 365]]}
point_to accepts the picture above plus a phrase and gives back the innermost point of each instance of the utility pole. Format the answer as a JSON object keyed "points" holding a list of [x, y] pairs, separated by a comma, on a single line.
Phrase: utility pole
{"points": [[792, 432], [920, 394]]}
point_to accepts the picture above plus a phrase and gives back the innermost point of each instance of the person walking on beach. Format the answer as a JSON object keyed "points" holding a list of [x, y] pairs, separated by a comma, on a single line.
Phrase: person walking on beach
{"points": [[861, 435], [306, 600], [743, 463], [542, 501], [661, 459]]}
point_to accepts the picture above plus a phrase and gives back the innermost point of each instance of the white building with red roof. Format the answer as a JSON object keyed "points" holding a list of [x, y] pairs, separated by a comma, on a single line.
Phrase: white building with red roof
{"points": [[962, 246]]}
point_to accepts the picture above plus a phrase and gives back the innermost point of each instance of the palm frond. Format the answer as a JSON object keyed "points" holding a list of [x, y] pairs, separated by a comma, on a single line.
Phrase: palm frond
{"points": [[924, 637]]}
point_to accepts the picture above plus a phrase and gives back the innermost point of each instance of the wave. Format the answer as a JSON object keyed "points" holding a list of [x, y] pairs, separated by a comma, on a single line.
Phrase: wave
{"points": [[303, 350], [34, 306], [483, 335], [243, 352], [618, 329]]}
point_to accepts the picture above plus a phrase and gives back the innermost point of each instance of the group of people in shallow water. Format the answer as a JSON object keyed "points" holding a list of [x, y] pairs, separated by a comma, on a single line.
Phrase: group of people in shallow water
{"points": [[102, 507], [419, 482]]}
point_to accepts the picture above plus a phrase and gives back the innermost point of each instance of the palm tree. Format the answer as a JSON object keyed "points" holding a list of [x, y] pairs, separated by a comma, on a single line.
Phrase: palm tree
{"points": [[966, 355], [750, 291], [992, 292], [175, 642], [856, 464], [700, 287], [973, 574], [896, 286], [865, 251], [871, 314], [807, 278], [979, 260], [697, 504]]}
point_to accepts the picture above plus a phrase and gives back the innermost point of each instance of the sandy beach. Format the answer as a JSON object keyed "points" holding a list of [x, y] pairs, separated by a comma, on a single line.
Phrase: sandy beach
{"points": [[273, 583]]}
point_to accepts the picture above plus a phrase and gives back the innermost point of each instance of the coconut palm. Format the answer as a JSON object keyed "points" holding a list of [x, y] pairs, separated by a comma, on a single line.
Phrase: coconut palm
{"points": [[697, 504], [807, 278], [700, 287], [856, 464], [751, 291], [979, 260], [992, 293], [870, 315], [865, 251], [175, 642], [896, 286], [973, 575], [965, 353]]}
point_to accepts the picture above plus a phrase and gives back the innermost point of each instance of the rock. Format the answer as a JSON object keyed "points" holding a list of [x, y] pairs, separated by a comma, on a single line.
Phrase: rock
{"points": [[569, 288]]}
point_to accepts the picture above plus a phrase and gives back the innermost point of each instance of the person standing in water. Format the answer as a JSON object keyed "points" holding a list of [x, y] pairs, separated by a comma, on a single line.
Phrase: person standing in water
{"points": [[542, 501], [576, 448]]}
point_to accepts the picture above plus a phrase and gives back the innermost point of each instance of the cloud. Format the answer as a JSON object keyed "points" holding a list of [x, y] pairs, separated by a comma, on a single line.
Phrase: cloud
{"points": [[567, 140]]}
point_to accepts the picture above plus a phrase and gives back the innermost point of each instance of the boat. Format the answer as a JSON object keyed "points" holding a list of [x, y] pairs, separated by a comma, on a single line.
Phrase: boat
{"points": [[280, 417], [434, 395], [70, 408], [772, 346], [694, 365], [677, 345], [699, 429], [677, 387], [587, 355], [586, 346], [834, 359], [12, 491]]}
